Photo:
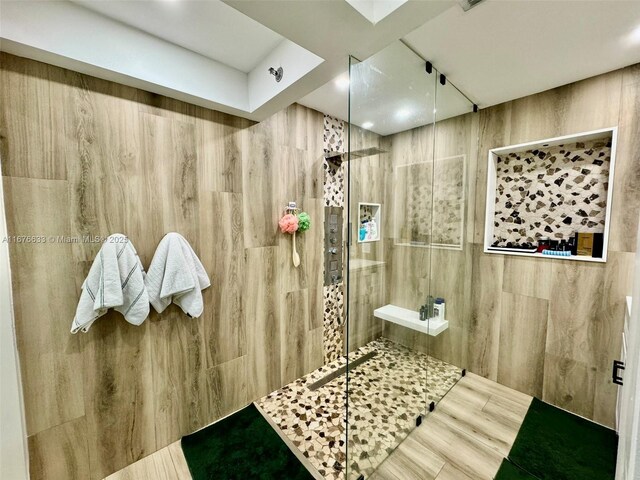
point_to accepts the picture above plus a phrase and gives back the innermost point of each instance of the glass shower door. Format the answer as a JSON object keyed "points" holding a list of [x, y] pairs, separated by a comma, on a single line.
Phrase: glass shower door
{"points": [[455, 142], [390, 198]]}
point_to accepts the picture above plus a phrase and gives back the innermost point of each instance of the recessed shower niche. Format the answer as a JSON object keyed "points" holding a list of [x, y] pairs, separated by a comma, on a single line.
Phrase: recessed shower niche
{"points": [[551, 197], [368, 222]]}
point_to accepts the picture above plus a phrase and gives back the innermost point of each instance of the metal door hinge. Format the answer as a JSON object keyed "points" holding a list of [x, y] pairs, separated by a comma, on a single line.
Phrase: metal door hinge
{"points": [[617, 366]]}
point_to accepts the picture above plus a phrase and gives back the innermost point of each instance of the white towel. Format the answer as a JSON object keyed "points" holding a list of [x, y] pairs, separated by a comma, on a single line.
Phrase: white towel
{"points": [[116, 280], [176, 275]]}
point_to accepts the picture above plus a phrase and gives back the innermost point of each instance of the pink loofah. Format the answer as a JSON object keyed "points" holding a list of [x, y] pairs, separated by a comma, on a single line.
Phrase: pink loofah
{"points": [[288, 223]]}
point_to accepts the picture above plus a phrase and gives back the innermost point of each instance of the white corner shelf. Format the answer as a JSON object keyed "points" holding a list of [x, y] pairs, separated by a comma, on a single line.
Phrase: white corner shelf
{"points": [[603, 133], [411, 319]]}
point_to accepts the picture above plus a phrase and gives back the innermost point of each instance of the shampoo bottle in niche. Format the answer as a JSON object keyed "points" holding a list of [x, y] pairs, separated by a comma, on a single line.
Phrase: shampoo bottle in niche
{"points": [[373, 229], [362, 234]]}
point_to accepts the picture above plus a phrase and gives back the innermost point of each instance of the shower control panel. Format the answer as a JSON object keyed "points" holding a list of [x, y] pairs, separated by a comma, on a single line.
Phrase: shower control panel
{"points": [[332, 245]]}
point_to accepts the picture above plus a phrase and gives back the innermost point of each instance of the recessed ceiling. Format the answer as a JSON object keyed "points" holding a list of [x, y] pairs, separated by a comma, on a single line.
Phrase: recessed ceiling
{"points": [[375, 10], [210, 53], [334, 30], [210, 28], [502, 50]]}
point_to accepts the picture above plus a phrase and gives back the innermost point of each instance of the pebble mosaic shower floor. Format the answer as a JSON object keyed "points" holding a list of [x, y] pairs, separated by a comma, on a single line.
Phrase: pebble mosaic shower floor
{"points": [[387, 392]]}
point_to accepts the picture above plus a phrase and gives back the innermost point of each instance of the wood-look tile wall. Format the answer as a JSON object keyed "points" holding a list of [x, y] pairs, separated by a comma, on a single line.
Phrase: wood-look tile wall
{"points": [[546, 327], [86, 156]]}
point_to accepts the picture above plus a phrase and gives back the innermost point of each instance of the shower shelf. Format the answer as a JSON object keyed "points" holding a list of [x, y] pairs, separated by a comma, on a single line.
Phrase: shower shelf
{"points": [[411, 319]]}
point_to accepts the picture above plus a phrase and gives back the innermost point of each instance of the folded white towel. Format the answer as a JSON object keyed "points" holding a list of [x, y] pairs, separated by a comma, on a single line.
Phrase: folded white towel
{"points": [[115, 280], [176, 275]]}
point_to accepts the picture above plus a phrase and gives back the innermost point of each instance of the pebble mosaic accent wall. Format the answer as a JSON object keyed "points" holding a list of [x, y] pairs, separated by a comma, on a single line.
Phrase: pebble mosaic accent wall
{"points": [[448, 201], [445, 193], [334, 140], [333, 322], [553, 192], [334, 187]]}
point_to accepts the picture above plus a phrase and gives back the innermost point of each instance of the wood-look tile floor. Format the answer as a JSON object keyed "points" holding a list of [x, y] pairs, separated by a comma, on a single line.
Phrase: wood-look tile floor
{"points": [[165, 464], [465, 438]]}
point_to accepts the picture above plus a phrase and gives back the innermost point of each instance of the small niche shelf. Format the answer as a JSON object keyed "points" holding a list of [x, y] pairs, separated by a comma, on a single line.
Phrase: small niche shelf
{"points": [[551, 188], [369, 225]]}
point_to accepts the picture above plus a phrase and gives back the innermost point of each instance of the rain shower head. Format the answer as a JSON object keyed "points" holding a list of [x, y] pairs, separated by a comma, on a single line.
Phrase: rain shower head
{"points": [[277, 73], [338, 157], [366, 152]]}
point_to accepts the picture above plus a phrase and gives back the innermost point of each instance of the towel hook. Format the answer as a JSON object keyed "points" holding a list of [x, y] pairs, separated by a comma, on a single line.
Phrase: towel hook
{"points": [[292, 208]]}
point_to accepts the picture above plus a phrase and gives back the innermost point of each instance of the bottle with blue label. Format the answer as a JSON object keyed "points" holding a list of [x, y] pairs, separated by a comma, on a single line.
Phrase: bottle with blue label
{"points": [[438, 308], [362, 234]]}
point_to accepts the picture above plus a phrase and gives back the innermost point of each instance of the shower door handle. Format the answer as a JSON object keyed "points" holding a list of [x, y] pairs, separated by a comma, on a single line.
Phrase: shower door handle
{"points": [[617, 366]]}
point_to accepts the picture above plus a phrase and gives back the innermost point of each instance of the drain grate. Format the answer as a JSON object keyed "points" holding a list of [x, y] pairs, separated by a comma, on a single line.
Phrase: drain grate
{"points": [[340, 371]]}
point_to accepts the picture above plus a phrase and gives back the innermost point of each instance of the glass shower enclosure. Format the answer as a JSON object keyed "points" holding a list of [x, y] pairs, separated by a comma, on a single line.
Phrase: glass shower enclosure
{"points": [[410, 236]]}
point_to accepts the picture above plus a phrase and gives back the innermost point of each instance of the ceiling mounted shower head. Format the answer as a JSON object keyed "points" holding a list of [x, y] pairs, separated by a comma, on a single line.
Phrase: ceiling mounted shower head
{"points": [[276, 73], [336, 158]]}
